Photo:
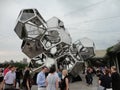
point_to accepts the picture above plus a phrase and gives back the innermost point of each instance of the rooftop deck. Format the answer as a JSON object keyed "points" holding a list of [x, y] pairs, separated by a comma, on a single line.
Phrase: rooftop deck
{"points": [[80, 85]]}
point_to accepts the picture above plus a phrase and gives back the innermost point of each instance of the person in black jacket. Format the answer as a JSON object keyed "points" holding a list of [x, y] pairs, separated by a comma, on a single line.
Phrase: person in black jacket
{"points": [[115, 78], [89, 76], [1, 79], [105, 79], [27, 81], [19, 75]]}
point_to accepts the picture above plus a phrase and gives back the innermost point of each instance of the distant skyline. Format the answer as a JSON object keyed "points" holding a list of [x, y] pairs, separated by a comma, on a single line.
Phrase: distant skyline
{"points": [[97, 20]]}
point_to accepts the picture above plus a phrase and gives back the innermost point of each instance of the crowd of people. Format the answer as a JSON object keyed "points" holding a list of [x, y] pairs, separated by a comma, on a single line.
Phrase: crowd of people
{"points": [[10, 78], [52, 79], [55, 79], [108, 78]]}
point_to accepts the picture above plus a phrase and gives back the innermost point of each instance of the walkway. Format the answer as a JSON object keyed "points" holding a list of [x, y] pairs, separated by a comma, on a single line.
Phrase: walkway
{"points": [[81, 85]]}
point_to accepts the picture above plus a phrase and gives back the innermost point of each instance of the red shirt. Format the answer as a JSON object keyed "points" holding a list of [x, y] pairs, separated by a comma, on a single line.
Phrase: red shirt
{"points": [[6, 70]]}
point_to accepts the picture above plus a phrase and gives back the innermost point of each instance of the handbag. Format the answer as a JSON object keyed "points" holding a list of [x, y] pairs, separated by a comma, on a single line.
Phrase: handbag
{"points": [[100, 87]]}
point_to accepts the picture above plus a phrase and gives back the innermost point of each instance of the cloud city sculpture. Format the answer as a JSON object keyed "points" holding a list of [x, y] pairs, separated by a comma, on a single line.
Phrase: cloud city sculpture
{"points": [[49, 39]]}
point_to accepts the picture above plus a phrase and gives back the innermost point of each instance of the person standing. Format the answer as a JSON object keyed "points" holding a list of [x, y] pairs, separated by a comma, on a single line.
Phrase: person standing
{"points": [[10, 78], [18, 77], [89, 76], [105, 79], [26, 68], [7, 69], [27, 81], [1, 79], [64, 85], [41, 79], [59, 74], [115, 78], [52, 80]]}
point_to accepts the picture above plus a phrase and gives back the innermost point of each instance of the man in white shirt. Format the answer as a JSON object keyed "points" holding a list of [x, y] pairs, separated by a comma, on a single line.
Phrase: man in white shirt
{"points": [[9, 78]]}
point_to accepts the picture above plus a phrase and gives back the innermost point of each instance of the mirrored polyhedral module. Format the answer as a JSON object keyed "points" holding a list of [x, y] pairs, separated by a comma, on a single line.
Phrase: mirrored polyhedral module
{"points": [[44, 40]]}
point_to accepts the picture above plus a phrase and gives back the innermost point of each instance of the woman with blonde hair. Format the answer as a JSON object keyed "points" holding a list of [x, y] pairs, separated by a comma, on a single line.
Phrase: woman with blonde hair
{"points": [[64, 85]]}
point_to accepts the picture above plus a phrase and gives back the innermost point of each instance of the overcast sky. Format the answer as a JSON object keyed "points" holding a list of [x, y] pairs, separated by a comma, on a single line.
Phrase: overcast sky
{"points": [[98, 20]]}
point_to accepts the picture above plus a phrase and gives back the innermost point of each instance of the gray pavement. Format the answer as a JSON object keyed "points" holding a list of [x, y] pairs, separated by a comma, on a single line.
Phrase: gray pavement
{"points": [[80, 85]]}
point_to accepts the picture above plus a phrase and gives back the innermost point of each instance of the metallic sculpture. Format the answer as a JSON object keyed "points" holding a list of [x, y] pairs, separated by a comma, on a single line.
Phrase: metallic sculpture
{"points": [[43, 40]]}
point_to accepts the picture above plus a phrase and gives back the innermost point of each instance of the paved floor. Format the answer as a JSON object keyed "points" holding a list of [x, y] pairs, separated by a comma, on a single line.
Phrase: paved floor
{"points": [[81, 85]]}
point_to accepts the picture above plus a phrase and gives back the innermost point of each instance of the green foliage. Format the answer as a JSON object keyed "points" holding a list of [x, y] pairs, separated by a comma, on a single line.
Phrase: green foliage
{"points": [[109, 49], [16, 64], [20, 65]]}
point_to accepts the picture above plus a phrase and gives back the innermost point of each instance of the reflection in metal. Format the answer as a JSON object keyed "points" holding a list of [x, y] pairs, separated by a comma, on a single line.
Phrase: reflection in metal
{"points": [[30, 24], [32, 47], [49, 40], [85, 48]]}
